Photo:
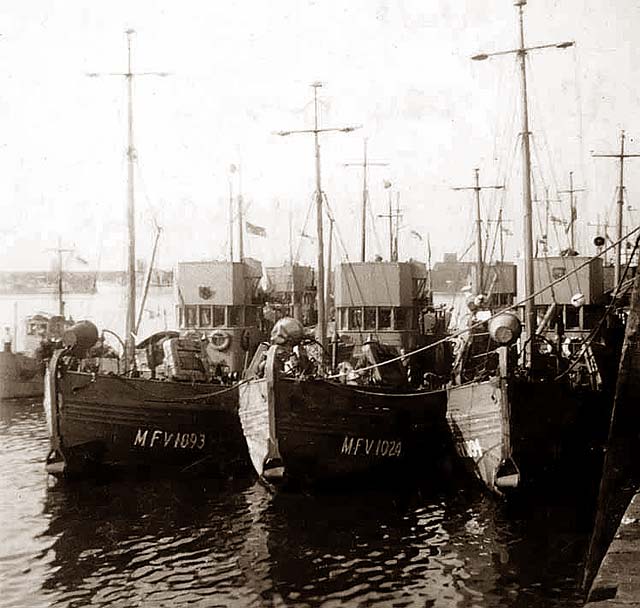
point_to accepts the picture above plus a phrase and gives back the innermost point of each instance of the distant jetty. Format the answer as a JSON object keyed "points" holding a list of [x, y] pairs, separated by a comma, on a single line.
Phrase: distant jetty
{"points": [[46, 282]]}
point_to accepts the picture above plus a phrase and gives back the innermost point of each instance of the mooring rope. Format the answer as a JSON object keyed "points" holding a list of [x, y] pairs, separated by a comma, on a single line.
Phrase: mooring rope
{"points": [[493, 316]]}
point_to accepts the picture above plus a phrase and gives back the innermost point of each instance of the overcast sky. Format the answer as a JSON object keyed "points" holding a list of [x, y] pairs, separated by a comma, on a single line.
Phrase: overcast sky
{"points": [[240, 70]]}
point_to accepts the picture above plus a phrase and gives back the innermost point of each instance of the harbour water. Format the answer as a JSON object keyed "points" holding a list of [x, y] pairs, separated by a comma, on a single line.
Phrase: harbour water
{"points": [[189, 542]]}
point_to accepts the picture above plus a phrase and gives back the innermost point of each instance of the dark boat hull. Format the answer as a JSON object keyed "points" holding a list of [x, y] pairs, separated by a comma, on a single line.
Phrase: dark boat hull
{"points": [[319, 432], [21, 377], [107, 421], [529, 436]]}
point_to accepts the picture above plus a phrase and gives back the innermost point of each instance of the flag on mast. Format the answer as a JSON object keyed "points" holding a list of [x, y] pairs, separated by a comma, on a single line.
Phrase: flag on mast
{"points": [[255, 230]]}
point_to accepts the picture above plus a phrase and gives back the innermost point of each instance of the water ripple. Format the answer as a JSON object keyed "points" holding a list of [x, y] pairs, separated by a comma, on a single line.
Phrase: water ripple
{"points": [[232, 543]]}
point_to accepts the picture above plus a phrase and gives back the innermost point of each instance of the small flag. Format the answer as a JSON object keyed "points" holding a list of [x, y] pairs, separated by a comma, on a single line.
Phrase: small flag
{"points": [[304, 235], [232, 169], [416, 235], [255, 230], [387, 183], [81, 260]]}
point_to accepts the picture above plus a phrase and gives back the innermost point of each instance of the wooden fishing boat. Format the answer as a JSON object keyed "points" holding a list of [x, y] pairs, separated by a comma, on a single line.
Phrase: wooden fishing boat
{"points": [[529, 401], [176, 407], [316, 430], [368, 413], [170, 403], [101, 419]]}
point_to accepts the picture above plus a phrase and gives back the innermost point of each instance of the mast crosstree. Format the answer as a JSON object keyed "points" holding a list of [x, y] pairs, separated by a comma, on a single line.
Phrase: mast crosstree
{"points": [[479, 255], [621, 156], [316, 131], [130, 322], [521, 52]]}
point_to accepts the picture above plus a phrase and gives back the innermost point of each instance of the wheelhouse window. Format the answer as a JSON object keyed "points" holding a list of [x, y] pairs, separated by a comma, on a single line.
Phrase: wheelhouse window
{"points": [[571, 317], [218, 316], [235, 316], [180, 316], [191, 316], [370, 318], [355, 318], [400, 318], [384, 318], [344, 318], [205, 316]]}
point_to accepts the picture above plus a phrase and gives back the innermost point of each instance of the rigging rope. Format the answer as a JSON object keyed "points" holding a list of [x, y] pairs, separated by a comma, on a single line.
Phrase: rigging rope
{"points": [[499, 312]]}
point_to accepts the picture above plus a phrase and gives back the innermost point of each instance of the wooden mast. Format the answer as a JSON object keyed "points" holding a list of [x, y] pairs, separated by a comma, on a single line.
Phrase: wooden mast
{"points": [[573, 212], [521, 53], [529, 307], [479, 251], [322, 321], [232, 170], [619, 229], [365, 164], [131, 227], [321, 330], [130, 319], [240, 216], [59, 250]]}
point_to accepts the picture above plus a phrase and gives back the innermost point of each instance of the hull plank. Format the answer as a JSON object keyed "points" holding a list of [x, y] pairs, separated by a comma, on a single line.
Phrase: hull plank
{"points": [[474, 414], [319, 431], [113, 421], [547, 434]]}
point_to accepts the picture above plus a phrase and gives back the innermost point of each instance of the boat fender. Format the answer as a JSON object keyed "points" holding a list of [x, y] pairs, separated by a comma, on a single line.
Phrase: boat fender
{"points": [[220, 340], [245, 340], [505, 328], [80, 338]]}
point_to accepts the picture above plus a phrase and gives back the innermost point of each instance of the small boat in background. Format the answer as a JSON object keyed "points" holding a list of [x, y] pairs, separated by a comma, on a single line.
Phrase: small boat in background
{"points": [[22, 373]]}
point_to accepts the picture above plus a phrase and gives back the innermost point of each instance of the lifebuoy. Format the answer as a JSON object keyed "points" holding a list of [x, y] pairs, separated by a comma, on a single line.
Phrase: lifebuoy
{"points": [[245, 340], [220, 340]]}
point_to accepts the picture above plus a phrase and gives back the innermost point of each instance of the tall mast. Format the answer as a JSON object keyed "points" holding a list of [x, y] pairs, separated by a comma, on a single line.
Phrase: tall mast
{"points": [[479, 250], [479, 260], [131, 158], [529, 307], [619, 229], [290, 237], [365, 194], [60, 300], [397, 230], [131, 227], [390, 227], [521, 53], [232, 170], [60, 293], [322, 320], [320, 283], [573, 212], [240, 216], [365, 164], [329, 264]]}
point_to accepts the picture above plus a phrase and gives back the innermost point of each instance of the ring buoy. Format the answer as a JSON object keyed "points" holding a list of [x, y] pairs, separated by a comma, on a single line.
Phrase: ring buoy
{"points": [[245, 340], [220, 340]]}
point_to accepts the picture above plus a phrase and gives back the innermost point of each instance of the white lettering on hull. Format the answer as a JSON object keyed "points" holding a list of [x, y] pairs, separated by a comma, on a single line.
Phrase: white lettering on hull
{"points": [[165, 439], [361, 446]]}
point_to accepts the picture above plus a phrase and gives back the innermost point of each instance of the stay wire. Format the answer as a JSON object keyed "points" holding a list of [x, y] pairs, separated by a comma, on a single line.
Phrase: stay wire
{"points": [[461, 332]]}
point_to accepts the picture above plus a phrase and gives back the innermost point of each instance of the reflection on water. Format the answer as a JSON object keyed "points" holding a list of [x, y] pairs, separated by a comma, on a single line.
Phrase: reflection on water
{"points": [[233, 543]]}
